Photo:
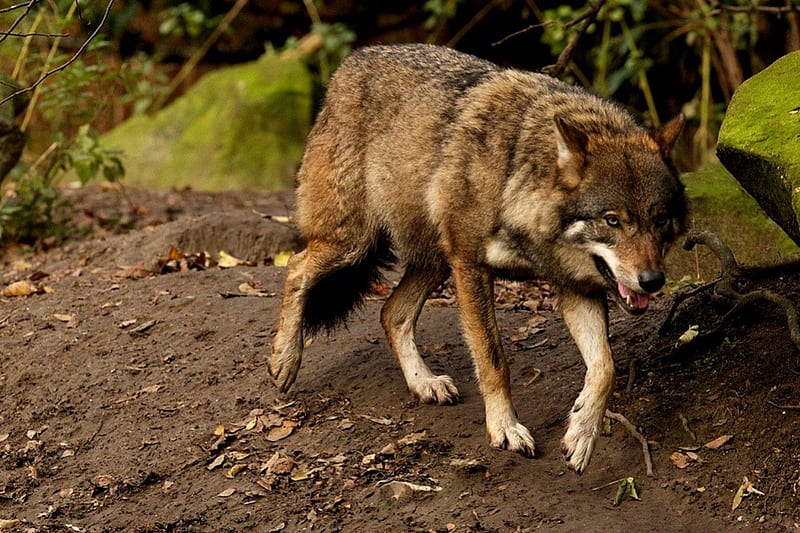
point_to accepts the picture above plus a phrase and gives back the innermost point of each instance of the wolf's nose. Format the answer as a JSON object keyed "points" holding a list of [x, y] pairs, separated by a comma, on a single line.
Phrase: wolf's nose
{"points": [[651, 280]]}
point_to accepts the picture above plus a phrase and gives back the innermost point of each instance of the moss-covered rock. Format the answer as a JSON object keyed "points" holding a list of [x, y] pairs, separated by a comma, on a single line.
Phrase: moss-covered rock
{"points": [[759, 142], [719, 204], [241, 127]]}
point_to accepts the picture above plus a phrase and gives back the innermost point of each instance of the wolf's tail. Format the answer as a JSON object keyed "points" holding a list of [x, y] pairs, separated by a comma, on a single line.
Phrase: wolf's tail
{"points": [[334, 297]]}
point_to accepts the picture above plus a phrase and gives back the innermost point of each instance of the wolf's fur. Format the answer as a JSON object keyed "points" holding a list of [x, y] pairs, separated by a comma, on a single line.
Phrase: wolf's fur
{"points": [[458, 166]]}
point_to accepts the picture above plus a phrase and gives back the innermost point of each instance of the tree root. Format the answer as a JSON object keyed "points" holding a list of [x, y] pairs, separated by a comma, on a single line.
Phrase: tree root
{"points": [[725, 287], [648, 461]]}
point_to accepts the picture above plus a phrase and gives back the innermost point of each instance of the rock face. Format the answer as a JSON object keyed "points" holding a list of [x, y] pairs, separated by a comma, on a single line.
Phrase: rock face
{"points": [[241, 127], [759, 142]]}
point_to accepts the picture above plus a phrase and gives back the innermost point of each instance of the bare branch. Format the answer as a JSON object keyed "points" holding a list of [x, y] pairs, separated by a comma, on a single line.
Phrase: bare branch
{"points": [[565, 56], [648, 461], [68, 62], [20, 18], [12, 8], [35, 34], [754, 8]]}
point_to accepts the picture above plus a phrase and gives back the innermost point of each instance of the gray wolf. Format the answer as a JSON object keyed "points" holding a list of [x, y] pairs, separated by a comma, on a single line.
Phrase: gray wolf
{"points": [[459, 167]]}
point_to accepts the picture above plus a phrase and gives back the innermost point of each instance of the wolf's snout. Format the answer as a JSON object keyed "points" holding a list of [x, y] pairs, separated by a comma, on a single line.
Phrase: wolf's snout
{"points": [[651, 280]]}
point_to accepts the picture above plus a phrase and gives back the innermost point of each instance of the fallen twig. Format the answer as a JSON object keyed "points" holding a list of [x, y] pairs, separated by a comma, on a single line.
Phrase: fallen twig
{"points": [[780, 406], [685, 424], [648, 461]]}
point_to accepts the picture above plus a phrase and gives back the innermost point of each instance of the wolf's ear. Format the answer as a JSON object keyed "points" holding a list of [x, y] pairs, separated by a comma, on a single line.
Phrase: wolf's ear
{"points": [[572, 147], [572, 143], [666, 135]]}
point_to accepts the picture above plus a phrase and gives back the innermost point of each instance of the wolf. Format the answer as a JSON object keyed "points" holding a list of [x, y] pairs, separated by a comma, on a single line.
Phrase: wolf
{"points": [[460, 167]]}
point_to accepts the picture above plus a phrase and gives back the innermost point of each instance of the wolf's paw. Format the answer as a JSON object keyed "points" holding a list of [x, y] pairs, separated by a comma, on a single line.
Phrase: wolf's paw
{"points": [[436, 389], [513, 436], [283, 370], [578, 444]]}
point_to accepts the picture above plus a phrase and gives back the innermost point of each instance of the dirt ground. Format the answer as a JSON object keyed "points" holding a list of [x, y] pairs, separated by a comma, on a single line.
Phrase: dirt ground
{"points": [[134, 397]]}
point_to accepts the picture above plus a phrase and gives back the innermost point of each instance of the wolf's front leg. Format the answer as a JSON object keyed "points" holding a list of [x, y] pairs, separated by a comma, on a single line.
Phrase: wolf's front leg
{"points": [[587, 320], [475, 292]]}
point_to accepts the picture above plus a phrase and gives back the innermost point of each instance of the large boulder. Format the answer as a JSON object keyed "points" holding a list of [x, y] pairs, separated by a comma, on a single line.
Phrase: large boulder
{"points": [[759, 142], [240, 127]]}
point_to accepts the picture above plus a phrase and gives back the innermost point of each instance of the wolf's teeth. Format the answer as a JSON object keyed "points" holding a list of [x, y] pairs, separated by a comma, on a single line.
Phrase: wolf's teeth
{"points": [[629, 300]]}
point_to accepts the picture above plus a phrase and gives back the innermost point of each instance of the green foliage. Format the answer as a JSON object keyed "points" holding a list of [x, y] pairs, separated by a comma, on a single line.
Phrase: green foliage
{"points": [[337, 40], [33, 210], [186, 20], [336, 44], [87, 158], [439, 11]]}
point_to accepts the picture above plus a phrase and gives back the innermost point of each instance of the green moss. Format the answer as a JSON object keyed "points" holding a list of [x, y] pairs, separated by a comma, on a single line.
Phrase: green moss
{"points": [[764, 115], [718, 203], [241, 127], [759, 141]]}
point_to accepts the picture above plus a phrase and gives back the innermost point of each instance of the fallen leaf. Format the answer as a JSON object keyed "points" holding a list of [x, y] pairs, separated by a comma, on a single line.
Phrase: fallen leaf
{"points": [[281, 432], [402, 489], [346, 424], [227, 493], [718, 442], [680, 460], [126, 323], [64, 317], [737, 498], [235, 469], [381, 289], [282, 219], [103, 481], [20, 288], [8, 524], [413, 438], [216, 462], [389, 449], [226, 260], [137, 271], [688, 335], [381, 421], [281, 259], [302, 475], [279, 464], [627, 487], [4, 436], [248, 290], [143, 327]]}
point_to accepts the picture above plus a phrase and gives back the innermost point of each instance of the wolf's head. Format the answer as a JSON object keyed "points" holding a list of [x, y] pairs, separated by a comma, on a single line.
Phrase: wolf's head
{"points": [[625, 205]]}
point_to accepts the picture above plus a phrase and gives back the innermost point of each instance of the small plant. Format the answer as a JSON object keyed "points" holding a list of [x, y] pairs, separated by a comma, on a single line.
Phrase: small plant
{"points": [[33, 210]]}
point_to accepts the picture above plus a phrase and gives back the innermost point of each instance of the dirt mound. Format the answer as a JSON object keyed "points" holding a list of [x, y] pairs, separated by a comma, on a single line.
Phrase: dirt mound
{"points": [[141, 402]]}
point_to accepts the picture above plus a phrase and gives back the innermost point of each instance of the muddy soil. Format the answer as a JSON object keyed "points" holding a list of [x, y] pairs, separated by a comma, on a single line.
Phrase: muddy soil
{"points": [[134, 397]]}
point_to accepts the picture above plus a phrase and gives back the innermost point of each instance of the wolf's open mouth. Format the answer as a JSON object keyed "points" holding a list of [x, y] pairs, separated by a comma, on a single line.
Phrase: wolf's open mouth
{"points": [[628, 299]]}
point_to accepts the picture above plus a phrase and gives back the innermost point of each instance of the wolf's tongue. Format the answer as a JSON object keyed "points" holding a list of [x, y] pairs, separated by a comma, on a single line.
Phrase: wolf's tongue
{"points": [[634, 299]]}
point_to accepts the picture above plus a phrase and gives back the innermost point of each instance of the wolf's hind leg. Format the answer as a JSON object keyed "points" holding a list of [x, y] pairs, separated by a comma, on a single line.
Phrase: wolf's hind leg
{"points": [[303, 272], [399, 318], [586, 318]]}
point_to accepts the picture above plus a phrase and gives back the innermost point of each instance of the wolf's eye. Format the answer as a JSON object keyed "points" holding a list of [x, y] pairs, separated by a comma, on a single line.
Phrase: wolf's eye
{"points": [[612, 220], [660, 221]]}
